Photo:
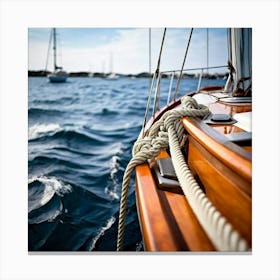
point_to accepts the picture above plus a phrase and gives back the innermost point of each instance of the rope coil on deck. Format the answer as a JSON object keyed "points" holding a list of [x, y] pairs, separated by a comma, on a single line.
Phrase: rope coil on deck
{"points": [[169, 132]]}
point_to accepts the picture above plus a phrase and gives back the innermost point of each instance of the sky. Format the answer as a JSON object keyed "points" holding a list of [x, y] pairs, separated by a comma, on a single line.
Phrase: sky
{"points": [[126, 50]]}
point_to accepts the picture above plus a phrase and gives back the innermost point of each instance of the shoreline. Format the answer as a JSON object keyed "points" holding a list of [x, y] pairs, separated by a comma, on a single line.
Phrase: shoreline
{"points": [[42, 73]]}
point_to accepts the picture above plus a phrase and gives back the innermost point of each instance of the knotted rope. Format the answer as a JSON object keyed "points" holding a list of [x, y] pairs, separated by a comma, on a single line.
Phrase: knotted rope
{"points": [[169, 132]]}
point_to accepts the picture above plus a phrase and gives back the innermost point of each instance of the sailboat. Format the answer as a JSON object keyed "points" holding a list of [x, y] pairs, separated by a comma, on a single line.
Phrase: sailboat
{"points": [[193, 161], [112, 75], [58, 75]]}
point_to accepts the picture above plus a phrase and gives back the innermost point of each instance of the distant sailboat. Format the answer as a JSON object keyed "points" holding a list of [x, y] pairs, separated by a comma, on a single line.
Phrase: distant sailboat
{"points": [[58, 75], [112, 75]]}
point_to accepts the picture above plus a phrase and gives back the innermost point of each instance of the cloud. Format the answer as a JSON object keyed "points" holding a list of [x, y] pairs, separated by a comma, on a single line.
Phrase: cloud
{"points": [[127, 50]]}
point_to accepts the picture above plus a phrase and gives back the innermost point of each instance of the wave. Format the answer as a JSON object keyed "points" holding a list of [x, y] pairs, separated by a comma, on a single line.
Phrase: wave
{"points": [[105, 133], [57, 101], [72, 151], [57, 185], [120, 130], [56, 132], [113, 188], [79, 137], [63, 101], [81, 134], [47, 213], [101, 232], [40, 130], [36, 112], [55, 160], [43, 198]]}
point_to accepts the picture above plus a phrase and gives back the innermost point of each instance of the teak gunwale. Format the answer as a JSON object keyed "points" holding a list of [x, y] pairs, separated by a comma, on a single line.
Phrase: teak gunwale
{"points": [[220, 147]]}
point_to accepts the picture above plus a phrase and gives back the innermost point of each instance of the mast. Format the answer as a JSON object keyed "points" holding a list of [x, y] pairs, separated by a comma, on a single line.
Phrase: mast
{"points": [[54, 49], [111, 63]]}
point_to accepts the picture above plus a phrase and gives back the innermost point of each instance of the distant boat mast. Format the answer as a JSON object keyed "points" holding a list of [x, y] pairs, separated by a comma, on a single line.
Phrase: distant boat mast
{"points": [[54, 51]]}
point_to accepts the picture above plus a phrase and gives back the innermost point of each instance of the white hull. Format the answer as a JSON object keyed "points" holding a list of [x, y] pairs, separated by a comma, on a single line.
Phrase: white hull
{"points": [[59, 76], [57, 79], [112, 76]]}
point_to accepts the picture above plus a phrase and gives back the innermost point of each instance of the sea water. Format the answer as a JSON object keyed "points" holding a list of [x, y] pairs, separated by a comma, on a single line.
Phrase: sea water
{"points": [[80, 137]]}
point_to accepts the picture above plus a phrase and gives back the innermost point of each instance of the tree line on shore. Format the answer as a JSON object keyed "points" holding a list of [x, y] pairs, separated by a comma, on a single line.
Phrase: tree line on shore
{"points": [[43, 73]]}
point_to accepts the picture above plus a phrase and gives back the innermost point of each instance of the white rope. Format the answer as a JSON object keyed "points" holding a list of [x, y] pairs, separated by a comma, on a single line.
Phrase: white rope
{"points": [[168, 131], [219, 231]]}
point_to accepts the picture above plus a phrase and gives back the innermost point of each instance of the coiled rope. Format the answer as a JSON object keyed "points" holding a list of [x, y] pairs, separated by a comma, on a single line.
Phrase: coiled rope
{"points": [[169, 132]]}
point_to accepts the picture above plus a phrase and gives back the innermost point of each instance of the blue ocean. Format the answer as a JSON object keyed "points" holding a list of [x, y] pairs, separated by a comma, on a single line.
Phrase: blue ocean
{"points": [[80, 137]]}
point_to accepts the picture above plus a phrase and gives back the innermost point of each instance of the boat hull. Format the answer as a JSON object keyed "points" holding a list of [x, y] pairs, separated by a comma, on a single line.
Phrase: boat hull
{"points": [[57, 79], [221, 167]]}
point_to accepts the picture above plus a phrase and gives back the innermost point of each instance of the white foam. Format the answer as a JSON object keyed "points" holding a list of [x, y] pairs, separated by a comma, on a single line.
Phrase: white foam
{"points": [[52, 186], [47, 195], [139, 246], [112, 193], [58, 186], [38, 130], [114, 168], [101, 232], [56, 214], [116, 148]]}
